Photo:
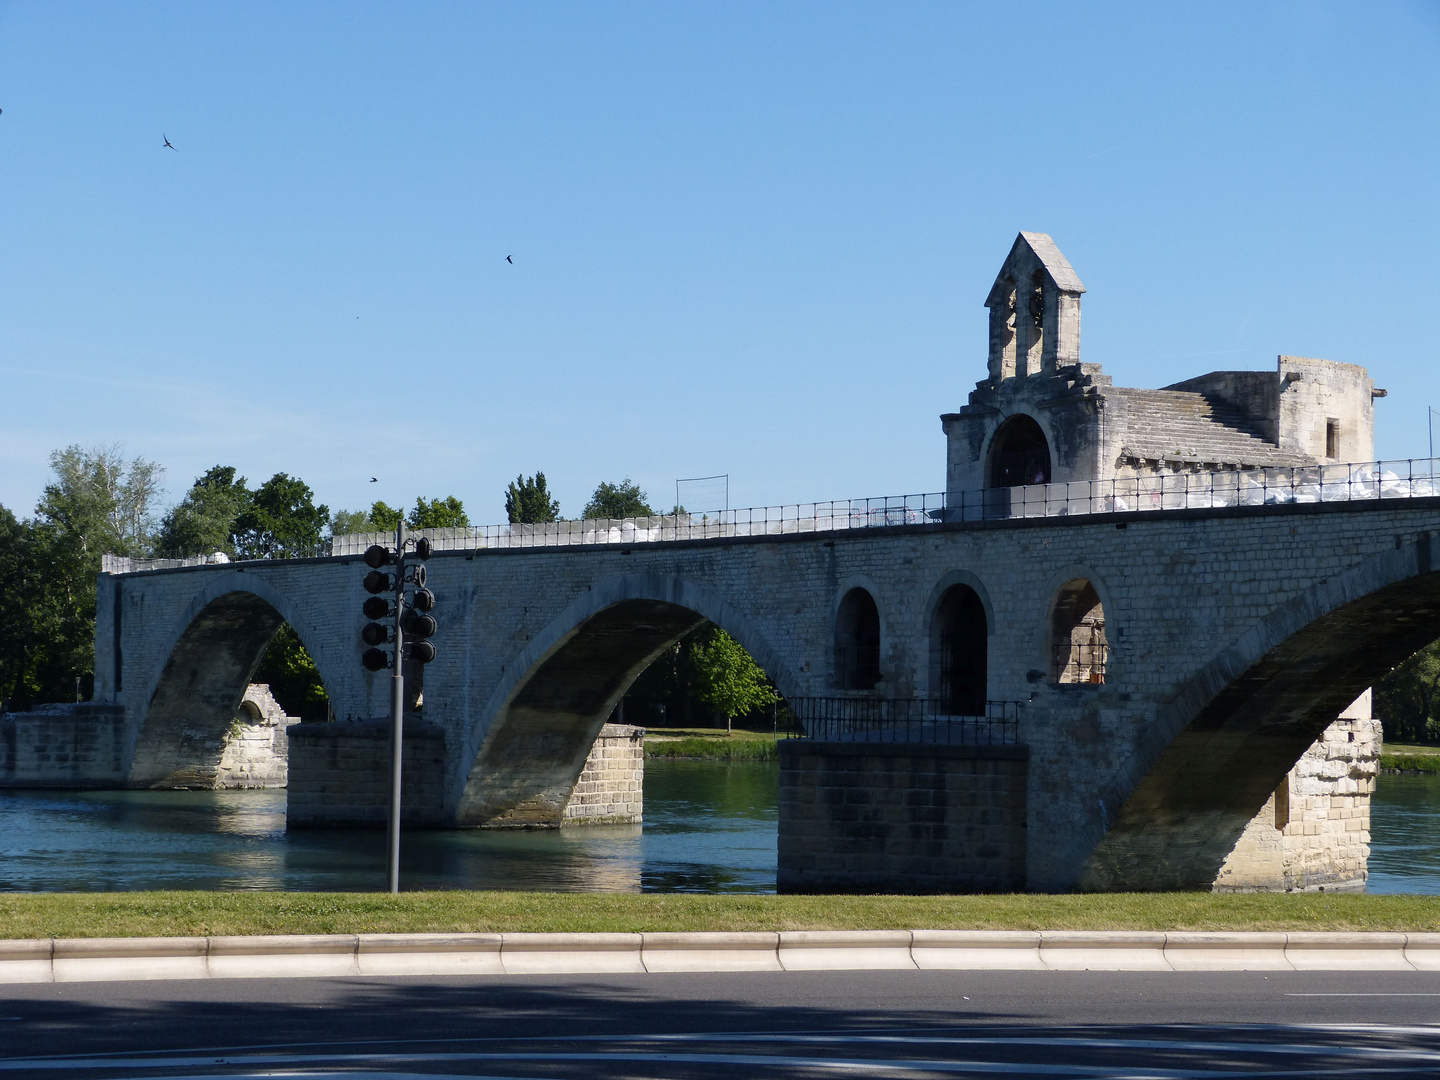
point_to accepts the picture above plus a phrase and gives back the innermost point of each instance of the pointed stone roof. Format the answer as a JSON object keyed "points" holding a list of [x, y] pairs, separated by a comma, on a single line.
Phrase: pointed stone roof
{"points": [[1048, 255]]}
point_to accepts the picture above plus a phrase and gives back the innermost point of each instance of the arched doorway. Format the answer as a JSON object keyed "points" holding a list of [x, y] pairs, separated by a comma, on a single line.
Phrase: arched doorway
{"points": [[959, 652], [1019, 455], [1079, 650], [857, 642]]}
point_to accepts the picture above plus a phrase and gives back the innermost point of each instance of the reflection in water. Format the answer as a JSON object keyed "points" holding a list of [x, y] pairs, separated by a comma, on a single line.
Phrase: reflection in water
{"points": [[1404, 841], [709, 826]]}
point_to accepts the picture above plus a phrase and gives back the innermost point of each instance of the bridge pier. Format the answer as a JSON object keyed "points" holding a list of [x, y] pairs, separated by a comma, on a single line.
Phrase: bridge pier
{"points": [[897, 817], [340, 778]]}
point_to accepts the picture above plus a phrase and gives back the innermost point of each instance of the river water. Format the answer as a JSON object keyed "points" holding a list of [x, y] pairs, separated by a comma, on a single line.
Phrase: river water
{"points": [[709, 827]]}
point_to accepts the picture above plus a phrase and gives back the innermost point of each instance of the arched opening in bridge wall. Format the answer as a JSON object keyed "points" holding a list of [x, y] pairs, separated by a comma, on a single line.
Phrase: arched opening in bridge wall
{"points": [[1078, 647], [857, 641], [198, 696], [1237, 728], [1019, 454], [543, 724], [959, 652]]}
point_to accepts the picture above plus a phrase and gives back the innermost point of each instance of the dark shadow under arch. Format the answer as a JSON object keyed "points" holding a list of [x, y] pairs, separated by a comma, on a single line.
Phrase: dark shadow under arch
{"points": [[198, 693], [1019, 454], [959, 652], [1242, 723], [857, 641], [525, 753], [535, 749]]}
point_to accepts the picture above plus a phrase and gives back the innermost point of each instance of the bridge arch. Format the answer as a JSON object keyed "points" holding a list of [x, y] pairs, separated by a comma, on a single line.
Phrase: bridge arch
{"points": [[210, 654], [525, 752], [1238, 726]]}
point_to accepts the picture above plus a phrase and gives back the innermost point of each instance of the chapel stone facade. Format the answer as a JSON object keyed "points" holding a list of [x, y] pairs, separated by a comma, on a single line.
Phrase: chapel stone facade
{"points": [[1042, 415]]}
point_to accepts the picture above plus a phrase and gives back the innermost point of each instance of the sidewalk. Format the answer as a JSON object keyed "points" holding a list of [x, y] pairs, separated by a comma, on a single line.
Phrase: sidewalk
{"points": [[332, 955]]}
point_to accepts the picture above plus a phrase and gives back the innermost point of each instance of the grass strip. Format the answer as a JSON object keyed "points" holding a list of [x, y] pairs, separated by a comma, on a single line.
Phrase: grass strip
{"points": [[1410, 757], [158, 914], [703, 749], [1410, 763]]}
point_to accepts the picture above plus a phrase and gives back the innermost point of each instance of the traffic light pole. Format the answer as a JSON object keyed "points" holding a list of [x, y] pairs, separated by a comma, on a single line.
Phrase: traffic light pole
{"points": [[397, 713]]}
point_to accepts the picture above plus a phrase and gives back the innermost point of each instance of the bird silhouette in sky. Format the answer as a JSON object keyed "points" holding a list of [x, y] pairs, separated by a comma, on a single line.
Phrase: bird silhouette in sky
{"points": [[167, 141], [374, 479], [509, 260]]}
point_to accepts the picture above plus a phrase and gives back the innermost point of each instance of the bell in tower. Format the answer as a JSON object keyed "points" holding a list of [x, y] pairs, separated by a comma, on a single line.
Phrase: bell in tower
{"points": [[1034, 311]]}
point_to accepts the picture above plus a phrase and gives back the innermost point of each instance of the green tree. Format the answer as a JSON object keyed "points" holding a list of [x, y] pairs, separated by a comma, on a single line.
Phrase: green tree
{"points": [[1407, 699], [19, 607], [281, 521], [447, 513], [101, 500], [704, 673], [621, 500], [384, 518], [97, 503], [344, 522], [293, 678], [203, 522], [528, 501], [729, 678]]}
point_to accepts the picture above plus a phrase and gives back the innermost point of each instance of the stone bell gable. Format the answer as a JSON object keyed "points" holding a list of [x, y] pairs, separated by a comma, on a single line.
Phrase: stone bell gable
{"points": [[1042, 416]]}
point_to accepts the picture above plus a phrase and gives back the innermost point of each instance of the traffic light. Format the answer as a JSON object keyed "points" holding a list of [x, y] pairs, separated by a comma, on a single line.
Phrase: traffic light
{"points": [[377, 607], [392, 616], [416, 624]]}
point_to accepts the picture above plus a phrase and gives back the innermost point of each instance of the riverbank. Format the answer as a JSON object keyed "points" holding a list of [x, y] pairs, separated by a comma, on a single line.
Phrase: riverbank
{"points": [[1410, 758], [710, 744], [200, 914]]}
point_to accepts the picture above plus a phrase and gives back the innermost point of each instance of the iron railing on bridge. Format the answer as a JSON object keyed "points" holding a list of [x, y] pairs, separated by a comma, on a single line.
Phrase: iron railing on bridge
{"points": [[1413, 478], [892, 720]]}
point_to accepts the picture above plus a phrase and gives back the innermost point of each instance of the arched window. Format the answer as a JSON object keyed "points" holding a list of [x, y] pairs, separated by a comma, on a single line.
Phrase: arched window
{"points": [[958, 644], [1079, 650], [1020, 454], [857, 642]]}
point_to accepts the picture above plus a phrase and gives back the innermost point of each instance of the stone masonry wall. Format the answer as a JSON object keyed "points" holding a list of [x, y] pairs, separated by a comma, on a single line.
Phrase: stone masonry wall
{"points": [[611, 789], [897, 817], [257, 751], [340, 775], [64, 746], [1314, 833]]}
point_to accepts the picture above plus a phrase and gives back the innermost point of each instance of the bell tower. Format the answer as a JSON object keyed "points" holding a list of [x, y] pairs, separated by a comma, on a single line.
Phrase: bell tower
{"points": [[1034, 311]]}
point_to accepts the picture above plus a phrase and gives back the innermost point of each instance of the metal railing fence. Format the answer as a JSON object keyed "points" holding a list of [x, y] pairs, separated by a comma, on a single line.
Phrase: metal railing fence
{"points": [[919, 720], [1412, 478]]}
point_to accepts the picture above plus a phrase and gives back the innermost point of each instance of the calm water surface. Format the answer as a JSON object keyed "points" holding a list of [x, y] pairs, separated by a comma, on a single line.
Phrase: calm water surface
{"points": [[709, 827], [1405, 834]]}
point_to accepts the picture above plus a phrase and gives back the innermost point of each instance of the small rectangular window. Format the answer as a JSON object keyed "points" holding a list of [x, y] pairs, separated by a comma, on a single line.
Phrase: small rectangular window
{"points": [[1282, 804], [1332, 439]]}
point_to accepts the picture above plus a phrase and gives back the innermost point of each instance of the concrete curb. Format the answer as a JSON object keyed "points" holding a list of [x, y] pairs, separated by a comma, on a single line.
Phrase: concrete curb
{"points": [[330, 955]]}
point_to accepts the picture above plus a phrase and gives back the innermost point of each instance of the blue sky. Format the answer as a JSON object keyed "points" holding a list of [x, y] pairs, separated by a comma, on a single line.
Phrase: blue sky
{"points": [[747, 238]]}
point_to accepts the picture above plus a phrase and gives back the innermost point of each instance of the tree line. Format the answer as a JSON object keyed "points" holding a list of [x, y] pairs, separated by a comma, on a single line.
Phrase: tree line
{"points": [[99, 502]]}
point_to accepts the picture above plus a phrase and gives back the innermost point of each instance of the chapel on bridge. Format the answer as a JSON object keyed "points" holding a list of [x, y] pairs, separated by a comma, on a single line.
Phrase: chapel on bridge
{"points": [[1041, 415]]}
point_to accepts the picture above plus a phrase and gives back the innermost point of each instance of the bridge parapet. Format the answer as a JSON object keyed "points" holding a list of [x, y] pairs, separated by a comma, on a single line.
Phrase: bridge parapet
{"points": [[1410, 478]]}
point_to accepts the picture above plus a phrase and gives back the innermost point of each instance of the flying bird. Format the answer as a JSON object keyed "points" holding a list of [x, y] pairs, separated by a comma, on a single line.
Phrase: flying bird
{"points": [[374, 479], [509, 260], [167, 141]]}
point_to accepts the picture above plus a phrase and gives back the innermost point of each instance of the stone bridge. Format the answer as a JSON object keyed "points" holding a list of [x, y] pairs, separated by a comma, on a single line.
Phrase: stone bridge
{"points": [[1172, 665]]}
